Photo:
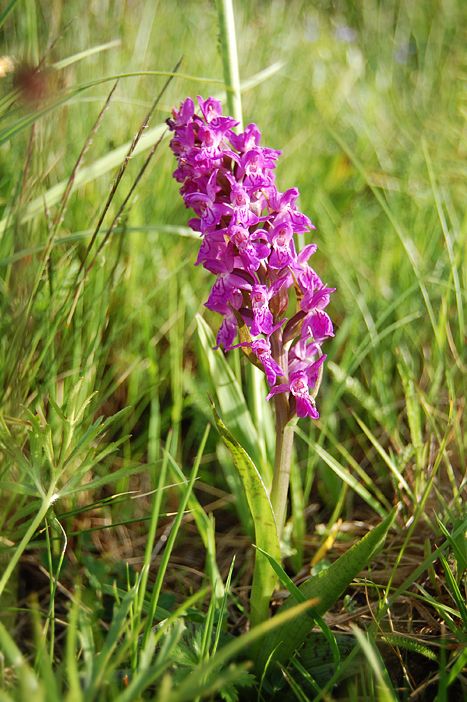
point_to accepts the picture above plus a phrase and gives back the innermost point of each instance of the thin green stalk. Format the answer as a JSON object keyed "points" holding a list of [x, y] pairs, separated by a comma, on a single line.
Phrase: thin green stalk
{"points": [[284, 443], [259, 603], [155, 513], [228, 47], [282, 465], [285, 429]]}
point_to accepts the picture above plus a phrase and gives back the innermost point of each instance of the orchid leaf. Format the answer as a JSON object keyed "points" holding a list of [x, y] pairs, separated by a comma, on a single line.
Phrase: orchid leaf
{"points": [[327, 586], [264, 578]]}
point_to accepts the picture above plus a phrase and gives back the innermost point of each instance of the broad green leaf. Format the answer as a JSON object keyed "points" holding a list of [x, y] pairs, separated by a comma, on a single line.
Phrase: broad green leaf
{"points": [[316, 656], [266, 538], [327, 587], [299, 596]]}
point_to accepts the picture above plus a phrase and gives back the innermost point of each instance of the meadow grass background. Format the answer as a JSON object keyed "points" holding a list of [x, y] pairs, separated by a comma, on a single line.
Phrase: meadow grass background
{"points": [[364, 99]]}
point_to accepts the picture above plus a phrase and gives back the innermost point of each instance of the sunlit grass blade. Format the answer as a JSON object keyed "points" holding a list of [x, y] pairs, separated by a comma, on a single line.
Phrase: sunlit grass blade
{"points": [[156, 590], [347, 477], [114, 158], [386, 692], [81, 55], [206, 531], [30, 686], [408, 244], [385, 456]]}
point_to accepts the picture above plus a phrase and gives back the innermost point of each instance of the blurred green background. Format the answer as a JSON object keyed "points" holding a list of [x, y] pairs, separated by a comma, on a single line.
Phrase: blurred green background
{"points": [[364, 100]]}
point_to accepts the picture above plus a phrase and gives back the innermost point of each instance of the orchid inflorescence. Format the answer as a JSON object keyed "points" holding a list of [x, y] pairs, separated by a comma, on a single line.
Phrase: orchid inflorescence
{"points": [[247, 229]]}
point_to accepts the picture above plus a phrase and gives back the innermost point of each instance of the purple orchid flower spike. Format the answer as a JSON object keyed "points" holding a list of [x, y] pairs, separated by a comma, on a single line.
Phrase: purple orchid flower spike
{"points": [[263, 320], [283, 249], [213, 248], [182, 116], [227, 288], [247, 140], [262, 350], [250, 246], [227, 332], [265, 291], [247, 229], [299, 388], [210, 108], [284, 205]]}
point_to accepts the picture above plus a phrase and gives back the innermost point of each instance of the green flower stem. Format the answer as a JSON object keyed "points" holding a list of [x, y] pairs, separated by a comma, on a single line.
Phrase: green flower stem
{"points": [[284, 442], [282, 464]]}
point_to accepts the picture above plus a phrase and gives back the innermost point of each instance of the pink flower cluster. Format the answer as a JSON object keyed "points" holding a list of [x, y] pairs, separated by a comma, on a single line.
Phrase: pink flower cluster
{"points": [[247, 229]]}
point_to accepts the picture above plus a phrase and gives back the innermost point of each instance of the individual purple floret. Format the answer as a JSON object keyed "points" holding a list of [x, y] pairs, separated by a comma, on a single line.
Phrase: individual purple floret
{"points": [[301, 379], [262, 350], [265, 290]]}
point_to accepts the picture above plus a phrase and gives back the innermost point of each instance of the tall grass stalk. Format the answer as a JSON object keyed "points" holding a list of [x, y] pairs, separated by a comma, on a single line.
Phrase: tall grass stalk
{"points": [[229, 53], [156, 590]]}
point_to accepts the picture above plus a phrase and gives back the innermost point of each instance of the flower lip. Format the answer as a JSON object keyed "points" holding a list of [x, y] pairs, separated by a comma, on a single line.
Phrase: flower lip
{"points": [[299, 385]]}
